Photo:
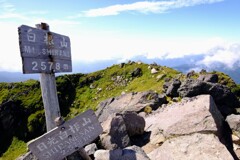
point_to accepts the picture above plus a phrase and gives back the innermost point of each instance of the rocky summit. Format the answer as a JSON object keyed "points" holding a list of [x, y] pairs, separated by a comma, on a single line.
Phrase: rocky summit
{"points": [[191, 129], [148, 112]]}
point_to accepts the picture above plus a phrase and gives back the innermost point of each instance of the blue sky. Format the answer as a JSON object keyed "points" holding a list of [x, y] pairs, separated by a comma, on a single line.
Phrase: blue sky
{"points": [[122, 29]]}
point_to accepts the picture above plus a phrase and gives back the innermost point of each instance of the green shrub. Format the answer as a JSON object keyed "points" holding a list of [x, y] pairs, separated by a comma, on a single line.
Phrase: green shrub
{"points": [[148, 109], [17, 148], [236, 90], [36, 124]]}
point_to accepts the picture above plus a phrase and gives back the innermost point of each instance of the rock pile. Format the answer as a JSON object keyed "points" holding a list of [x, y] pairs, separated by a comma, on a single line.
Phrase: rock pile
{"points": [[201, 124], [191, 129], [206, 84]]}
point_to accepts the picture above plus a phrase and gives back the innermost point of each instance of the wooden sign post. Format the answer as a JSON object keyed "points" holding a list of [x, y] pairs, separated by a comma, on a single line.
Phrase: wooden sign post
{"points": [[45, 52]]}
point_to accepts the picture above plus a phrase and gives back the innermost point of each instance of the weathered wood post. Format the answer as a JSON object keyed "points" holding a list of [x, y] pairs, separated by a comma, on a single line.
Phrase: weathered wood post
{"points": [[47, 53], [49, 92]]}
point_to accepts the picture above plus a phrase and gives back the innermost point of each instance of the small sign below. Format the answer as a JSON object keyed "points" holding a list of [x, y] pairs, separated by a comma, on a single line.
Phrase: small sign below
{"points": [[67, 138], [43, 51]]}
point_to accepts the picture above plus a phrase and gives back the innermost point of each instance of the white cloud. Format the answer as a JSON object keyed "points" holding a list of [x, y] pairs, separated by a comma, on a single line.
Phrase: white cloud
{"points": [[228, 55], [8, 11], [144, 7], [13, 15], [90, 46], [10, 55], [104, 46], [6, 7], [94, 46]]}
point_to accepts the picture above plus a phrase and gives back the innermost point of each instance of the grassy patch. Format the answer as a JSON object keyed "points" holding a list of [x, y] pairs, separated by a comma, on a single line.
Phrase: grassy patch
{"points": [[101, 85], [17, 148], [225, 79]]}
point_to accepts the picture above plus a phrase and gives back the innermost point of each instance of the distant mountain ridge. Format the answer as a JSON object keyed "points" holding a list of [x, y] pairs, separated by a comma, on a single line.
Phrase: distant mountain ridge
{"points": [[16, 76], [183, 64]]}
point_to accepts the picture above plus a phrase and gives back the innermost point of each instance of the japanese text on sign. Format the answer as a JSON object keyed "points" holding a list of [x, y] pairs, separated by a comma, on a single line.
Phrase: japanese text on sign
{"points": [[37, 46], [67, 138]]}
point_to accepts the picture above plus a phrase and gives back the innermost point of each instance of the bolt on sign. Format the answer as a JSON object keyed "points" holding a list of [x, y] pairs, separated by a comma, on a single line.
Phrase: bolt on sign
{"points": [[43, 51], [67, 138]]}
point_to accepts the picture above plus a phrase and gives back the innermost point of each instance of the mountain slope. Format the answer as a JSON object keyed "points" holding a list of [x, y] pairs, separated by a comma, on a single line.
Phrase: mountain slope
{"points": [[21, 110]]}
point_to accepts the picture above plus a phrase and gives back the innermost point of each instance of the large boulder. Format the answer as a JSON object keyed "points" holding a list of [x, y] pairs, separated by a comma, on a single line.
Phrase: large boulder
{"points": [[114, 134], [192, 115], [135, 102], [222, 95], [213, 78], [119, 128], [234, 123], [192, 147], [135, 124], [189, 116], [173, 88]]}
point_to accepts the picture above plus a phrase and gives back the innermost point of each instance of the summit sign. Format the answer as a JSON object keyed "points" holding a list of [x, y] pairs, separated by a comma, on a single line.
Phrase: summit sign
{"points": [[67, 138], [43, 51]]}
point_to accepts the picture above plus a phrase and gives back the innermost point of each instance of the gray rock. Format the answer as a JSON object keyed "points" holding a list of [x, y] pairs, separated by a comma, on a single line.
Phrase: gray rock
{"points": [[234, 123], [190, 74], [129, 153], [154, 71], [222, 95], [192, 147], [121, 65], [92, 86], [135, 102], [195, 115], [114, 134], [203, 71], [91, 148], [184, 118], [118, 129], [137, 72], [213, 78], [166, 84], [161, 76], [135, 124], [131, 62], [172, 90]]}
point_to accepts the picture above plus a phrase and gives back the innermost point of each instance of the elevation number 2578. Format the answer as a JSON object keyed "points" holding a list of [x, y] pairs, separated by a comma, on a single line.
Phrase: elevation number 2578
{"points": [[48, 66]]}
